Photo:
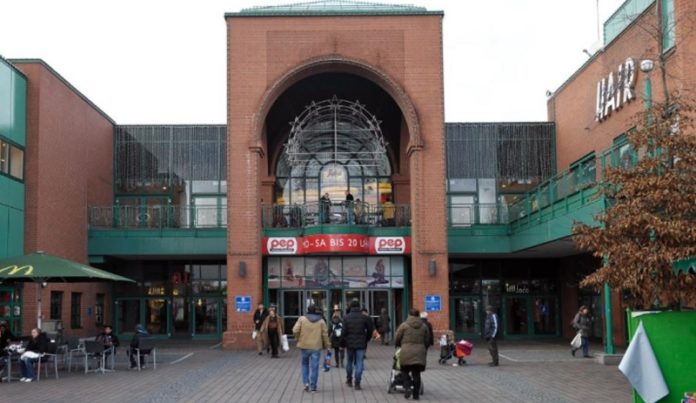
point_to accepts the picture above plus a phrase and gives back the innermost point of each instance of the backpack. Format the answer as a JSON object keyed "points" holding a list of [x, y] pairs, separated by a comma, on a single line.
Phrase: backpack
{"points": [[337, 331]]}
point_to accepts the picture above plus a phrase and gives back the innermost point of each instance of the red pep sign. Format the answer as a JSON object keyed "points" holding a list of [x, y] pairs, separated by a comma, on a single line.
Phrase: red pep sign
{"points": [[337, 243]]}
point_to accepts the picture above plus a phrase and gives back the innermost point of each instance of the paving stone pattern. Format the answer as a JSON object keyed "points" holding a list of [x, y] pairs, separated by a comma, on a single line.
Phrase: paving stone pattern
{"points": [[532, 372]]}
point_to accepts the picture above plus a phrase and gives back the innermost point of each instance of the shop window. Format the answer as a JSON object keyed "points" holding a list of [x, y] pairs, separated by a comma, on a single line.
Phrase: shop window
{"points": [[75, 310], [4, 157], [669, 36], [99, 310], [56, 305], [11, 160]]}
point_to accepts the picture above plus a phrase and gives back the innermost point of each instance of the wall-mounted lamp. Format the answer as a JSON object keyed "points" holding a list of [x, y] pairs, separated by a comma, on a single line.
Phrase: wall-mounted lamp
{"points": [[432, 268], [44, 284], [242, 269]]}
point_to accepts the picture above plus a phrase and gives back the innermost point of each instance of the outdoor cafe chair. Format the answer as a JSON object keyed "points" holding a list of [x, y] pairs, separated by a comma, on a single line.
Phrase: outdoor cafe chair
{"points": [[95, 350], [147, 349], [74, 349], [50, 356]]}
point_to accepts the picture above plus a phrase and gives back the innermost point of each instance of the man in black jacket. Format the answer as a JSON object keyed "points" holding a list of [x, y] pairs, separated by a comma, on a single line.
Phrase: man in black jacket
{"points": [[357, 330], [426, 322], [490, 332], [259, 316]]}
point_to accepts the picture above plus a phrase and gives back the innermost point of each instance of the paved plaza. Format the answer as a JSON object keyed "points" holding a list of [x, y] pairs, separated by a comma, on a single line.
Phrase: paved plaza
{"points": [[200, 372]]}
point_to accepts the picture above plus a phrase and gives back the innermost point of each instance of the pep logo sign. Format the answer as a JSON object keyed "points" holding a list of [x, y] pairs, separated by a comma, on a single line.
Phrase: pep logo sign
{"points": [[388, 245], [282, 246]]}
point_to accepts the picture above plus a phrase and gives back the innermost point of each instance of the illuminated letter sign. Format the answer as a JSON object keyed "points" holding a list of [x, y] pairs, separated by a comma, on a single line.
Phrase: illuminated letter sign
{"points": [[615, 90], [14, 269]]}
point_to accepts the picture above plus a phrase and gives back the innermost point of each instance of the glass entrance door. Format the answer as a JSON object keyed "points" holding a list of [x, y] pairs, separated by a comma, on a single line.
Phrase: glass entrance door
{"points": [[544, 315], [373, 300], [127, 314], [10, 309], [467, 316], [516, 315], [294, 303], [181, 317], [207, 314]]}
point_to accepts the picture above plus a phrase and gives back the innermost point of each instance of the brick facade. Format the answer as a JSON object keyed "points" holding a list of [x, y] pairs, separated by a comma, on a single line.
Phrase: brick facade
{"points": [[68, 168], [268, 54]]}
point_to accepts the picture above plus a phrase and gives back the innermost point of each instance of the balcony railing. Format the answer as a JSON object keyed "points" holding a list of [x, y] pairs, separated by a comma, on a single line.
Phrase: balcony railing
{"points": [[467, 214], [158, 216], [335, 213]]}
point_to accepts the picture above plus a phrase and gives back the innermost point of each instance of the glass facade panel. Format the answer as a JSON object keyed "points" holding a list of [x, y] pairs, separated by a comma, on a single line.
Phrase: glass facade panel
{"points": [[17, 162], [4, 157]]}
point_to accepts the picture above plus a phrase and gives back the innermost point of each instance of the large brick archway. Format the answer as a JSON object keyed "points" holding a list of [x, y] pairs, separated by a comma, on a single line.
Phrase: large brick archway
{"points": [[415, 86]]}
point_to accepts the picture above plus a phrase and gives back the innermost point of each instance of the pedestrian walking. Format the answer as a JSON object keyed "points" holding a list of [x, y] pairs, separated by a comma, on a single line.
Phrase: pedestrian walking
{"points": [[490, 332], [272, 329], [338, 342], [358, 330], [312, 336], [384, 326], [426, 322], [582, 322], [259, 316], [413, 337]]}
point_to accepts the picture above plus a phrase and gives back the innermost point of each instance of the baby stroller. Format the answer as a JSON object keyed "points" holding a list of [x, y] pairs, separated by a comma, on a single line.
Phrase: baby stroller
{"points": [[396, 378]]}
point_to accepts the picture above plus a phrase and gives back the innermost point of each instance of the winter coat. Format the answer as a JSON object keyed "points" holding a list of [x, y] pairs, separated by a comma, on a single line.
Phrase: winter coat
{"points": [[357, 329], [38, 344], [412, 337], [337, 342], [582, 323], [263, 331], [259, 317], [140, 333], [431, 337], [311, 332], [103, 338], [491, 327], [384, 326]]}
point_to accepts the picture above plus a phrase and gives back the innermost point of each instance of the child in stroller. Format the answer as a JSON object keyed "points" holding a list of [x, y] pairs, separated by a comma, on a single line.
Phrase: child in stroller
{"points": [[446, 347], [449, 349], [396, 378]]}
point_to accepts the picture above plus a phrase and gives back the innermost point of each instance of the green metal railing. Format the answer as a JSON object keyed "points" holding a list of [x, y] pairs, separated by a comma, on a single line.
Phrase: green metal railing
{"points": [[565, 191], [335, 213], [158, 216]]}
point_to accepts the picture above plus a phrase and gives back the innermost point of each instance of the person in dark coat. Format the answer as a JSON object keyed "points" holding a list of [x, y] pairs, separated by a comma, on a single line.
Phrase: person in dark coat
{"points": [[259, 316], [384, 326], [6, 337], [272, 330], [108, 338], [338, 342], [140, 333], [582, 322], [38, 344], [490, 332], [412, 337], [426, 322], [358, 330]]}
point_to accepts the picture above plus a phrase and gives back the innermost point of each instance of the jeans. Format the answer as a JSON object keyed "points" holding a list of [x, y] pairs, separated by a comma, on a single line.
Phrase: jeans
{"points": [[314, 355], [27, 367], [585, 346], [355, 356]]}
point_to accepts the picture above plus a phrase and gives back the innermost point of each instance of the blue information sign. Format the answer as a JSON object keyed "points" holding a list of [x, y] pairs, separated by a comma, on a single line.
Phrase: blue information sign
{"points": [[433, 303], [242, 303]]}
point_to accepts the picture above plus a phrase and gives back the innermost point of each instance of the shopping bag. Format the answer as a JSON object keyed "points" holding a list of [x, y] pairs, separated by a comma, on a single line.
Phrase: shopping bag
{"points": [[254, 334], [284, 342], [327, 361], [577, 341]]}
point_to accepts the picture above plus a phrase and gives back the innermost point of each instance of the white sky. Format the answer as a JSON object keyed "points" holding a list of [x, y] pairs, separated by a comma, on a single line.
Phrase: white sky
{"points": [[163, 61]]}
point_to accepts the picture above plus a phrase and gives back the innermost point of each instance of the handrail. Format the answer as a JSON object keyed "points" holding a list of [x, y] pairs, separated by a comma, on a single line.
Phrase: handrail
{"points": [[335, 213], [157, 216]]}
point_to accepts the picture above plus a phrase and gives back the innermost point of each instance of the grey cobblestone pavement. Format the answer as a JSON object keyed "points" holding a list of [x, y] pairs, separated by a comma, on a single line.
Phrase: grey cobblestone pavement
{"points": [[198, 372]]}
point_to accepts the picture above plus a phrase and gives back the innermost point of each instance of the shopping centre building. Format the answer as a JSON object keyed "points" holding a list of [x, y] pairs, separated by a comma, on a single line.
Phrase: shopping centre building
{"points": [[335, 177]]}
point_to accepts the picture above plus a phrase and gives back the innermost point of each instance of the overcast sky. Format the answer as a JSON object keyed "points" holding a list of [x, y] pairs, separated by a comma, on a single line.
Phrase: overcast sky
{"points": [[157, 61]]}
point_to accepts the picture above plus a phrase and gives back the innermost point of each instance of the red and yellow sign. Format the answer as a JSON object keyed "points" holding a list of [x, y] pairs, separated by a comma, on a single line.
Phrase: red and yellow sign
{"points": [[337, 243]]}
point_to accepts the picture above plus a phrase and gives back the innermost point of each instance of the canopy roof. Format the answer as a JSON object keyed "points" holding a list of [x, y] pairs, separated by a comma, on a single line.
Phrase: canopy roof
{"points": [[43, 267]]}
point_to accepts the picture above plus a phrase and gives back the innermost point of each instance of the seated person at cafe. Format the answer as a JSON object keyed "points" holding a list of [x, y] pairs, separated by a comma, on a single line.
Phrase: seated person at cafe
{"points": [[140, 333], [107, 338], [38, 344], [6, 337]]}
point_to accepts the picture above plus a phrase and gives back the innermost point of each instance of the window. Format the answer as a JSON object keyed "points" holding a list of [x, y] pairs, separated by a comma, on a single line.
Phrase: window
{"points": [[669, 36], [75, 310], [56, 304], [11, 160], [99, 310]]}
